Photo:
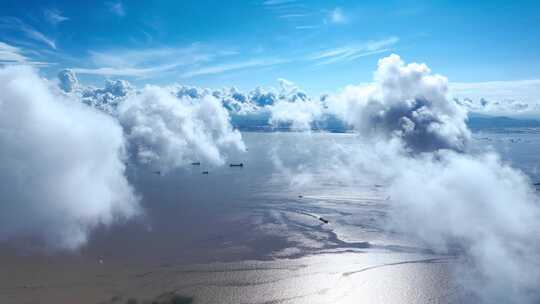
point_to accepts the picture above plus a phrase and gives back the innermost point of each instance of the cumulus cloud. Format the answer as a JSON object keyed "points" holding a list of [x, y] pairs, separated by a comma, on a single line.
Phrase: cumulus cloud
{"points": [[61, 164], [166, 131], [68, 80], [106, 98], [509, 98], [293, 107], [413, 139], [300, 114], [167, 127], [406, 102]]}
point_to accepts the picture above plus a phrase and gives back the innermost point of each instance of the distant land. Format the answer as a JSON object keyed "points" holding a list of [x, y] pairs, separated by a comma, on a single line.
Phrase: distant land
{"points": [[475, 121], [480, 121]]}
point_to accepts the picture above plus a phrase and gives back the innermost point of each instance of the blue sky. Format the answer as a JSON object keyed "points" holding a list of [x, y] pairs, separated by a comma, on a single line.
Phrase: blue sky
{"points": [[320, 45]]}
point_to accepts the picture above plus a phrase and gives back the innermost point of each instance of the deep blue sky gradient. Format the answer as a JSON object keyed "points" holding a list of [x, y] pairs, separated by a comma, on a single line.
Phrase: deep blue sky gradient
{"points": [[255, 42]]}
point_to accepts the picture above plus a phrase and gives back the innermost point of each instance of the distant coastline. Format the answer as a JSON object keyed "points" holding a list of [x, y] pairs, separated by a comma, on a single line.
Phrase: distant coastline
{"points": [[475, 122]]}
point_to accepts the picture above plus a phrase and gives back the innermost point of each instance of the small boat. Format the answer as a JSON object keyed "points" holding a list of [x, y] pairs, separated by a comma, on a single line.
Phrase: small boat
{"points": [[205, 172], [322, 219], [196, 163], [157, 172], [237, 165]]}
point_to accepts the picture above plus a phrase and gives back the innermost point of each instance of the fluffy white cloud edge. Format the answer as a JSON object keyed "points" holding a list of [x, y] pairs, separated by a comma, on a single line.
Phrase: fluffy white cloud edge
{"points": [[62, 169]]}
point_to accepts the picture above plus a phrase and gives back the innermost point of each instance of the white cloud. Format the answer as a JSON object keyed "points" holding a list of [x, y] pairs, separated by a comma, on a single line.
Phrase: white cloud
{"points": [[9, 53], [299, 114], [131, 72], [150, 57], [277, 2], [61, 164], [352, 52], [293, 107], [337, 16], [12, 55], [511, 98], [54, 16], [16, 24], [117, 8], [292, 16], [147, 62], [306, 27], [406, 102], [164, 131], [68, 82], [164, 127], [222, 68]]}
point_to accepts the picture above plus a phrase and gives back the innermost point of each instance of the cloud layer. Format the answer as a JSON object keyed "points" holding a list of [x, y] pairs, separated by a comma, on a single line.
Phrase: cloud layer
{"points": [[165, 127], [166, 131], [510, 98]]}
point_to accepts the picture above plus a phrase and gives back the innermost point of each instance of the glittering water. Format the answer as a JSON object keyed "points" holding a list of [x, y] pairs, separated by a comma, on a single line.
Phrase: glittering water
{"points": [[255, 235]]}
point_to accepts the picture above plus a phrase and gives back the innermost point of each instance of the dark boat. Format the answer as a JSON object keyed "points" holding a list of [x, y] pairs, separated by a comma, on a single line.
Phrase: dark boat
{"points": [[157, 172], [237, 165], [323, 220], [196, 163], [205, 172]]}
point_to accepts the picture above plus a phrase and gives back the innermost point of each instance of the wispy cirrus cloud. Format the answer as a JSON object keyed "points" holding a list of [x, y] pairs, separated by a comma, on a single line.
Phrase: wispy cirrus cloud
{"points": [[287, 9], [151, 56], [306, 27], [277, 2], [147, 62], [17, 25], [227, 67], [130, 72], [54, 16], [117, 8], [10, 54], [352, 52], [293, 16]]}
